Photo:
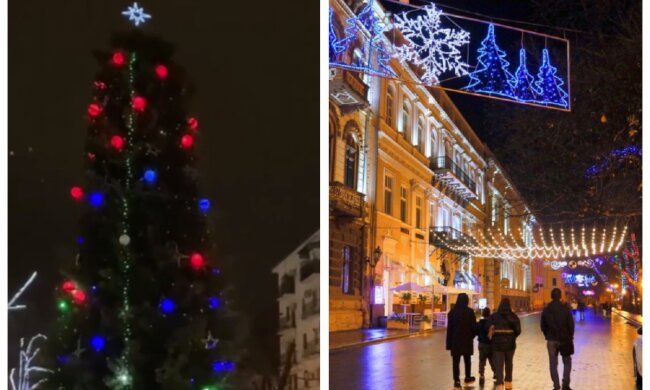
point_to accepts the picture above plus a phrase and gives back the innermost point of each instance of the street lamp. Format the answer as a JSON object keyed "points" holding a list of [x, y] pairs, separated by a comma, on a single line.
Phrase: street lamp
{"points": [[373, 261]]}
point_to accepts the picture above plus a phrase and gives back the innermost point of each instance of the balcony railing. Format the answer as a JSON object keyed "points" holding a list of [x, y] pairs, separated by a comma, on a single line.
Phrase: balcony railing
{"points": [[345, 201], [348, 90], [308, 268], [311, 348], [446, 169], [310, 307], [287, 322], [449, 238]]}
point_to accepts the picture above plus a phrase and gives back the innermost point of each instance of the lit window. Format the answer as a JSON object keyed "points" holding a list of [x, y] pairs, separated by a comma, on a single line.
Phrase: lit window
{"points": [[351, 161], [390, 98], [388, 195], [402, 204], [406, 119], [418, 212]]}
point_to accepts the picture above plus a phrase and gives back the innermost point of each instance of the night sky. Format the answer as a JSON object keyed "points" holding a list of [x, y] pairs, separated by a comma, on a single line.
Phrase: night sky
{"points": [[255, 68]]}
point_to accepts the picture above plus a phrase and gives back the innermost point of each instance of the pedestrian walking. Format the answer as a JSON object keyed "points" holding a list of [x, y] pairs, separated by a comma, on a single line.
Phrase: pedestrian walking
{"points": [[558, 326], [484, 346], [574, 307], [609, 309], [581, 309], [461, 323], [504, 328]]}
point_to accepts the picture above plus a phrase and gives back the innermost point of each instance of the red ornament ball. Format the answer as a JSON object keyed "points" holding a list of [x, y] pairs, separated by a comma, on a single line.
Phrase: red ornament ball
{"points": [[118, 58], [117, 142], [77, 193], [139, 103], [94, 110], [161, 72], [68, 286], [187, 141], [196, 261], [193, 123], [79, 296]]}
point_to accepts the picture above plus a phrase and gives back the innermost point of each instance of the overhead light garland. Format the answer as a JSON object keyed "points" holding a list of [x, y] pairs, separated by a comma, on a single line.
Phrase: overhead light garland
{"points": [[497, 245]]}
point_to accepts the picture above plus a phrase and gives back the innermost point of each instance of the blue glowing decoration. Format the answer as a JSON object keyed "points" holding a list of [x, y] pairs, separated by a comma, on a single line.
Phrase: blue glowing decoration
{"points": [[523, 86], [150, 176], [98, 343], [96, 199], [550, 85], [616, 154], [216, 271], [167, 306], [204, 205], [581, 280], [63, 359], [221, 367], [374, 59], [81, 240], [491, 75], [136, 14], [214, 302]]}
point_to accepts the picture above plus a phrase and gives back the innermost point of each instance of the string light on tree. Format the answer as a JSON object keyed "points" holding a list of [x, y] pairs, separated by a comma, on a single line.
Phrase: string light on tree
{"points": [[94, 110], [77, 193], [204, 205], [22, 378], [96, 199], [187, 141], [98, 343], [139, 103], [167, 306], [193, 123], [161, 71], [150, 176], [117, 142], [118, 58], [434, 49], [196, 261]]}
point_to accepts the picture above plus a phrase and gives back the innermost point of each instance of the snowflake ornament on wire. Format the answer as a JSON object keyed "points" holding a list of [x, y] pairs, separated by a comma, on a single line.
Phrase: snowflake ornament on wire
{"points": [[434, 49]]}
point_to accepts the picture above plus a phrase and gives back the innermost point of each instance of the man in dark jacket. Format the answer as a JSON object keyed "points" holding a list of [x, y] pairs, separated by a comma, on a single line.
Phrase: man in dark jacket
{"points": [[506, 327], [461, 323], [484, 347], [581, 310], [558, 327]]}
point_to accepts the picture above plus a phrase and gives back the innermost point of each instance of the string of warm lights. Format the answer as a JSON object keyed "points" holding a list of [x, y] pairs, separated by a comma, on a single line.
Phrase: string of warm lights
{"points": [[542, 245]]}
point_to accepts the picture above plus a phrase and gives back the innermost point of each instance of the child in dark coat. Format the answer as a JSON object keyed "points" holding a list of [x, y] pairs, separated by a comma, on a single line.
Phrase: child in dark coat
{"points": [[484, 347]]}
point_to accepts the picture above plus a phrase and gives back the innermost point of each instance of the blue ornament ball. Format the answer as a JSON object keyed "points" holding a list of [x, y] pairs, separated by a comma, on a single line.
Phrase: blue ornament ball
{"points": [[98, 343], [150, 176]]}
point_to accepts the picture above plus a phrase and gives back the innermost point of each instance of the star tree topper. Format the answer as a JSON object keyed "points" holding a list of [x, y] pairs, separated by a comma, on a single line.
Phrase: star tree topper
{"points": [[136, 14], [434, 49]]}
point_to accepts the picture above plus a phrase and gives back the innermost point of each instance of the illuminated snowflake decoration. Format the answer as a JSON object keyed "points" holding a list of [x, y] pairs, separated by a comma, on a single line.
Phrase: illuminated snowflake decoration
{"points": [[12, 303], [210, 342], [120, 376], [21, 379], [434, 49], [136, 14]]}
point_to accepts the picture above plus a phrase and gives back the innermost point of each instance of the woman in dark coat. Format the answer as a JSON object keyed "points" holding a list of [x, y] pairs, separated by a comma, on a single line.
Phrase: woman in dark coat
{"points": [[504, 326], [461, 323]]}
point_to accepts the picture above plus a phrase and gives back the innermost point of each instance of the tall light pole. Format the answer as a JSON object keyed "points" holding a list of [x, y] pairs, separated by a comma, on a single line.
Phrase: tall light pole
{"points": [[372, 262]]}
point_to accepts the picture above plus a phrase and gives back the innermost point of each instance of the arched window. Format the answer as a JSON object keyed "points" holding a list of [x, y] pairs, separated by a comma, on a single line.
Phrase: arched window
{"points": [[406, 119], [390, 104], [351, 160], [433, 145], [422, 135]]}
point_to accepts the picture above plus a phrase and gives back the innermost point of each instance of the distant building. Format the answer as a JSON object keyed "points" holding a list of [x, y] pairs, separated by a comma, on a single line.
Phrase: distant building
{"points": [[299, 324]]}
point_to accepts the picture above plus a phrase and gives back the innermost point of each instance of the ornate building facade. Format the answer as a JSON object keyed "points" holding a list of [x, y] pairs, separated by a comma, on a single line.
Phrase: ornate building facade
{"points": [[410, 183]]}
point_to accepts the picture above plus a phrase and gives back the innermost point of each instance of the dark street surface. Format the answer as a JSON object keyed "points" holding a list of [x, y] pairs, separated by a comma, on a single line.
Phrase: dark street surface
{"points": [[602, 360]]}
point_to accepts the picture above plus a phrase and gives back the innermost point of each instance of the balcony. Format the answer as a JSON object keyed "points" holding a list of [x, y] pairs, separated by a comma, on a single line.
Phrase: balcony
{"points": [[308, 268], [451, 174], [311, 348], [348, 90], [447, 237], [287, 322], [345, 201], [310, 307]]}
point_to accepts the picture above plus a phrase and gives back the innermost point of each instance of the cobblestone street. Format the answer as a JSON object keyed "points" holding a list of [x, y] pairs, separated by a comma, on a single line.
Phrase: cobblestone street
{"points": [[602, 360]]}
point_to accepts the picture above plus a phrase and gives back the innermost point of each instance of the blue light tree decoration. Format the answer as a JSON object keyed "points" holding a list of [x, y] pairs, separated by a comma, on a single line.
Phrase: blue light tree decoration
{"points": [[523, 86], [491, 76], [431, 47], [375, 57], [550, 85]]}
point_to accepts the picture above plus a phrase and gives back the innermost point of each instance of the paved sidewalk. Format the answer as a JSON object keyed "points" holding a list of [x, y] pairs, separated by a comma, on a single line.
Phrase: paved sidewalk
{"points": [[359, 337], [636, 319]]}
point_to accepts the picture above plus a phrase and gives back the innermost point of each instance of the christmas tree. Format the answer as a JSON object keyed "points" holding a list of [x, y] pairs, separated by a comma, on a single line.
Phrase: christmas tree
{"points": [[523, 86], [550, 85], [141, 307], [491, 75]]}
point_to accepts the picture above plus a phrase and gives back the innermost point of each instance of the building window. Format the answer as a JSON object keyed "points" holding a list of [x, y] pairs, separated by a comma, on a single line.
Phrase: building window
{"points": [[418, 212], [406, 119], [388, 195], [390, 99], [422, 136], [493, 219], [347, 264], [402, 204], [506, 220], [433, 153], [432, 215], [351, 160]]}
